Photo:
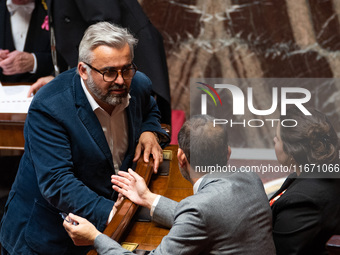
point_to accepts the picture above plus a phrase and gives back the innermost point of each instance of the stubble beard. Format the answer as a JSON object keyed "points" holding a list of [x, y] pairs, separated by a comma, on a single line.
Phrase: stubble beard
{"points": [[111, 99]]}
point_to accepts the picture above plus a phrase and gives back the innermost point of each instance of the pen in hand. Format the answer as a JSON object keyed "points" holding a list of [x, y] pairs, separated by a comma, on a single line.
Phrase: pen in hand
{"points": [[67, 219]]}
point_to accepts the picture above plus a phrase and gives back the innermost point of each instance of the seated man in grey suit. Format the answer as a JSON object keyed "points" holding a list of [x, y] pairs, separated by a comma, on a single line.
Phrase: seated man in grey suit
{"points": [[228, 213]]}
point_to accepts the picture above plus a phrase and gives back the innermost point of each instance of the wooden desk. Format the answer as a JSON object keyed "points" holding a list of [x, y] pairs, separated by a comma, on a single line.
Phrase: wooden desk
{"points": [[148, 234], [12, 128], [12, 131]]}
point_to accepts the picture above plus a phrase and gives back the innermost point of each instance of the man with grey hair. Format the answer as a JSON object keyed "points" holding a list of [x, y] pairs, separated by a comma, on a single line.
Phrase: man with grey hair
{"points": [[228, 213], [81, 128]]}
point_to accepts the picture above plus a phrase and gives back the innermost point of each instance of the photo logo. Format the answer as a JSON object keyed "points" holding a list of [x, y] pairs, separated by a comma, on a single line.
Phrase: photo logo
{"points": [[239, 99], [243, 103], [204, 97]]}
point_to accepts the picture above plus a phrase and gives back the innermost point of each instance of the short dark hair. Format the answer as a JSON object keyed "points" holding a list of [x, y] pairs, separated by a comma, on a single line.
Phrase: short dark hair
{"points": [[312, 141], [202, 143]]}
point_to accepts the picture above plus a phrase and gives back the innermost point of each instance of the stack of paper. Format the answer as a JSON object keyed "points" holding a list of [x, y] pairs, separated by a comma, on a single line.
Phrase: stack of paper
{"points": [[13, 99]]}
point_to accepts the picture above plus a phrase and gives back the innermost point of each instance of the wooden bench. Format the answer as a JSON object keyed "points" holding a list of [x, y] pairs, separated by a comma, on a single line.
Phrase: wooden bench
{"points": [[126, 211]]}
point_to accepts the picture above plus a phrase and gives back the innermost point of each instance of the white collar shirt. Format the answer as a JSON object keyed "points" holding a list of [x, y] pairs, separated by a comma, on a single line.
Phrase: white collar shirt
{"points": [[197, 184], [115, 127], [20, 19]]}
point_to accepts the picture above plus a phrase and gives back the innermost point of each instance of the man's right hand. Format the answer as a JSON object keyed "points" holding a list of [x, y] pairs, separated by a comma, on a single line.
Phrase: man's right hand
{"points": [[38, 84], [17, 62], [133, 186], [83, 233]]}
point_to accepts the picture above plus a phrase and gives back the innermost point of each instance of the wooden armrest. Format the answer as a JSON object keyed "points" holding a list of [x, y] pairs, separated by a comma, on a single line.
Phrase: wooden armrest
{"points": [[127, 209], [166, 128], [333, 245]]}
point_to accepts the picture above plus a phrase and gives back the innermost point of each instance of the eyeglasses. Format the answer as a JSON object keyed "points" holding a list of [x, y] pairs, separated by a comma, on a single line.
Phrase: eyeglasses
{"points": [[111, 74]]}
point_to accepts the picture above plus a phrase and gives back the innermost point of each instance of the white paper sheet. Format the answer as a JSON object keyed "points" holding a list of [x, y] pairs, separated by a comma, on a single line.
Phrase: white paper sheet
{"points": [[13, 99]]}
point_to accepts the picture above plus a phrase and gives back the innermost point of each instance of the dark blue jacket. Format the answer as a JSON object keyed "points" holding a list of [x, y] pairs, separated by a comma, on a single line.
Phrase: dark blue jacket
{"points": [[67, 165]]}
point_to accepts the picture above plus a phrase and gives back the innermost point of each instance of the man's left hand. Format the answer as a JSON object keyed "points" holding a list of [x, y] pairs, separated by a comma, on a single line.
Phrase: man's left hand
{"points": [[38, 84], [133, 186], [148, 143]]}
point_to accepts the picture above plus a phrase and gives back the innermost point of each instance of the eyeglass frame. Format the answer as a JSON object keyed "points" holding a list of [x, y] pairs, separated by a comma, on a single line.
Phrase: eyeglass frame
{"points": [[119, 72]]}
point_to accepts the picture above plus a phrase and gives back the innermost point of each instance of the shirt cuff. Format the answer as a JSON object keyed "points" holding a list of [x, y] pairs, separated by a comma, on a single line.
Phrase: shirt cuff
{"points": [[161, 138], [35, 64], [154, 204]]}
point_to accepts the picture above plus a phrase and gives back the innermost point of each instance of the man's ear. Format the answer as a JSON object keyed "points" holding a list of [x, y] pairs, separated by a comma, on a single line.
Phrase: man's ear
{"points": [[82, 71], [229, 152], [182, 159]]}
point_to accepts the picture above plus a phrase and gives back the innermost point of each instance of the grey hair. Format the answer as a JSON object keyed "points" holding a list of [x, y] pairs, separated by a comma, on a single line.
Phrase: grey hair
{"points": [[202, 143], [104, 33]]}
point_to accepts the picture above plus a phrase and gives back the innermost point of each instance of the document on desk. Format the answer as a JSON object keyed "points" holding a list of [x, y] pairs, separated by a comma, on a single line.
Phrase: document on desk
{"points": [[13, 99]]}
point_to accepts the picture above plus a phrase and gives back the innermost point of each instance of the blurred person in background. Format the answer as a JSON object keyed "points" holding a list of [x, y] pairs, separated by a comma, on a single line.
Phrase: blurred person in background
{"points": [[25, 51], [306, 209]]}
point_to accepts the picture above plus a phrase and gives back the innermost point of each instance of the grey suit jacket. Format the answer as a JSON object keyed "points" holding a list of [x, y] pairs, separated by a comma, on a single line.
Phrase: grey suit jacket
{"points": [[228, 215]]}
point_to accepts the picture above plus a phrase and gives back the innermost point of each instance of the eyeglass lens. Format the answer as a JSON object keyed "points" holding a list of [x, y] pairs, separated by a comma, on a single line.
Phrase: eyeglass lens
{"points": [[112, 75]]}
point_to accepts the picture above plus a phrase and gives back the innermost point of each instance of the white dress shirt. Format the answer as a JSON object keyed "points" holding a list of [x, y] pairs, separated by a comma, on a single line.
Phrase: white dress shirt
{"points": [[20, 20], [115, 127]]}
